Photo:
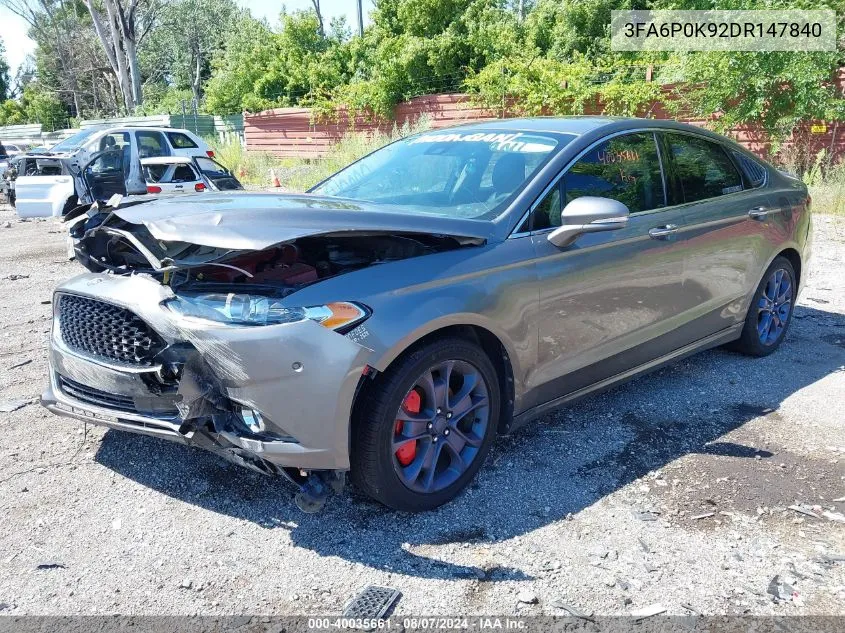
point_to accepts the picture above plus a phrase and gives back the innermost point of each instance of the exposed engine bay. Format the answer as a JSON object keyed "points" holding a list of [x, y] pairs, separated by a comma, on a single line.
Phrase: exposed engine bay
{"points": [[286, 267]]}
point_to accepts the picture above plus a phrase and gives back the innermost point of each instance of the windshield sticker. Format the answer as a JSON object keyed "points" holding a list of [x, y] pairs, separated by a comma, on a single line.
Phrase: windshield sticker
{"points": [[502, 142]]}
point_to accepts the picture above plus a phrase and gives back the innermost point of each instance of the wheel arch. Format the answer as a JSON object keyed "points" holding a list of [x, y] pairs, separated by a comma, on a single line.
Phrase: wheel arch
{"points": [[794, 258], [493, 345]]}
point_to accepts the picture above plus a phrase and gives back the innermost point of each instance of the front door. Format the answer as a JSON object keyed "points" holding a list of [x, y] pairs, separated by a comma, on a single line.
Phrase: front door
{"points": [[106, 174], [612, 300]]}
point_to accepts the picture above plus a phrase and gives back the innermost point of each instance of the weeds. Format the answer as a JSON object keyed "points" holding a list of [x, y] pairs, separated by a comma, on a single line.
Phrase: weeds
{"points": [[828, 190]]}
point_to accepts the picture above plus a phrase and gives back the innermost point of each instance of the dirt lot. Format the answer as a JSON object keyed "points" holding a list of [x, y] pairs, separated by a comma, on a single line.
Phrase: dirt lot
{"points": [[673, 489]]}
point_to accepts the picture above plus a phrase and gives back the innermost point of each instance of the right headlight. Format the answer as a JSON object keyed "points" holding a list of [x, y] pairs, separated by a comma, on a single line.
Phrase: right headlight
{"points": [[252, 309]]}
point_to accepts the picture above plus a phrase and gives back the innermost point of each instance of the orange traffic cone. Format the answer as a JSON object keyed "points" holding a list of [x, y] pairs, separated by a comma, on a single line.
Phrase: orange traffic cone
{"points": [[275, 178]]}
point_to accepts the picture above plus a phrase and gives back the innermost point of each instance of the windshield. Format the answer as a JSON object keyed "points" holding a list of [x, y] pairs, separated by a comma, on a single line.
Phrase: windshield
{"points": [[460, 174], [74, 142]]}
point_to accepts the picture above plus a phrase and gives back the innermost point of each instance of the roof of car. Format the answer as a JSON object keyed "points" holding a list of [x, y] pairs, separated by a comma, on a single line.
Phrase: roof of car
{"points": [[109, 128], [576, 125], [166, 160], [561, 125]]}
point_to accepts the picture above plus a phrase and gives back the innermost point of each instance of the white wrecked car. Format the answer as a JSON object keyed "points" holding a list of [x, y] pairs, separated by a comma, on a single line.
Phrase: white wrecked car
{"points": [[53, 184]]}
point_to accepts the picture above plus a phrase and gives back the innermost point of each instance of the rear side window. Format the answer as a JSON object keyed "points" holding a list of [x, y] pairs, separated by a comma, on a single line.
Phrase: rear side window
{"points": [[154, 173], [151, 144], [755, 173], [625, 168], [183, 173], [211, 167], [180, 141], [702, 168]]}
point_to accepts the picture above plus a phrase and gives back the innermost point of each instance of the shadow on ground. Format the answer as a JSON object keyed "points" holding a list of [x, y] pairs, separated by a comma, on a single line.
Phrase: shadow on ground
{"points": [[563, 463]]}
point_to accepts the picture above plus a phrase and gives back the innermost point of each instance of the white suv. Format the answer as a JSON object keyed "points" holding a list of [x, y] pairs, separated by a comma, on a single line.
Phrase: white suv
{"points": [[57, 185]]}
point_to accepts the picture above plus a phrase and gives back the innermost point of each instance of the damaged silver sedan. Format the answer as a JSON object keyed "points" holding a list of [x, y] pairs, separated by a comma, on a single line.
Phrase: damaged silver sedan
{"points": [[443, 290]]}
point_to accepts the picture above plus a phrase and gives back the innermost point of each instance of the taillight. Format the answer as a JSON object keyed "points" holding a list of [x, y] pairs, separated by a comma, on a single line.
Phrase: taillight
{"points": [[153, 189], [199, 187], [210, 154]]}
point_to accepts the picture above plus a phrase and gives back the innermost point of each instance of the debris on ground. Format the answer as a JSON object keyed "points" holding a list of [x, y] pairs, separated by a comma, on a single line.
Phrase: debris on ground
{"points": [[7, 406], [781, 590], [50, 565], [21, 364], [702, 516], [834, 516], [372, 602], [801, 509], [15, 277], [649, 611], [527, 597], [573, 611], [689, 607]]}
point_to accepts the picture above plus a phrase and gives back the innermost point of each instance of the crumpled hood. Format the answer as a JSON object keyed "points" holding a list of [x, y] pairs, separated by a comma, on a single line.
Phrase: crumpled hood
{"points": [[256, 221]]}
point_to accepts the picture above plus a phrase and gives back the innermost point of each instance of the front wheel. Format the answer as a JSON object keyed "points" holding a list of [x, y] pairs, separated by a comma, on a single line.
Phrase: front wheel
{"points": [[770, 312], [424, 428]]}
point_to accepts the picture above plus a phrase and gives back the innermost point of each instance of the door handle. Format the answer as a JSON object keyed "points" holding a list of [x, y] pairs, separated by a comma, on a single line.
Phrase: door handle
{"points": [[758, 213], [660, 232]]}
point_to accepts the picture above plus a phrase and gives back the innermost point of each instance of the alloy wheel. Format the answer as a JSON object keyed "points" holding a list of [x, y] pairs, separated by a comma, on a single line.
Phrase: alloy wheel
{"points": [[774, 307], [440, 426]]}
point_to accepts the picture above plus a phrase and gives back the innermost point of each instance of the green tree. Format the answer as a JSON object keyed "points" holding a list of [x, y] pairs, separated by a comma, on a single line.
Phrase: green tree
{"points": [[43, 106], [247, 51], [178, 52], [4, 73]]}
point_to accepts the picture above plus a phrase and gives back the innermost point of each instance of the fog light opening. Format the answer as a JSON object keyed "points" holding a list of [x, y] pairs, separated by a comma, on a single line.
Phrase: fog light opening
{"points": [[252, 419]]}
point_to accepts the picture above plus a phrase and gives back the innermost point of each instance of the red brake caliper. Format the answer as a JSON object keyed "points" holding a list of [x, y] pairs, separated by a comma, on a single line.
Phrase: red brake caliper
{"points": [[408, 451]]}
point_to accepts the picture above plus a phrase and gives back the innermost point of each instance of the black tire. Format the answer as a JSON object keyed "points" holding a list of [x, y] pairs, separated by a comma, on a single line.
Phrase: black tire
{"points": [[749, 342], [374, 420], [70, 205]]}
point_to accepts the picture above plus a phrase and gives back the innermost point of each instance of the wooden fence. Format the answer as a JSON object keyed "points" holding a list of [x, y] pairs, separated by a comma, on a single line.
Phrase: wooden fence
{"points": [[291, 132]]}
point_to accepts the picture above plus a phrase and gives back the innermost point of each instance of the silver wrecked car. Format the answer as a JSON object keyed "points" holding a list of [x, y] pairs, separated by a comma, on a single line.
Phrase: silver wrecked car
{"points": [[442, 290]]}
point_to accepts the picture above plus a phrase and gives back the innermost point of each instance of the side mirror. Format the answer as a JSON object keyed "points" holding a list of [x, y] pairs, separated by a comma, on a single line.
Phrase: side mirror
{"points": [[588, 214]]}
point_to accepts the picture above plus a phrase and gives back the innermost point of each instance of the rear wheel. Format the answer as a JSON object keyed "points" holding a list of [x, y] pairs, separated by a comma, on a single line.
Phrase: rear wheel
{"points": [[770, 312], [424, 428]]}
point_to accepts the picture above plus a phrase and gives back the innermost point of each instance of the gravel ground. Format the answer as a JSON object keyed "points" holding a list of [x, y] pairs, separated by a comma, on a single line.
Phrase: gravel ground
{"points": [[673, 489]]}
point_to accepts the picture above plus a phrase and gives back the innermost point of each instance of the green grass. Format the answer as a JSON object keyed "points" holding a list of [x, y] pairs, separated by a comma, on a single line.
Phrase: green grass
{"points": [[828, 191], [253, 168]]}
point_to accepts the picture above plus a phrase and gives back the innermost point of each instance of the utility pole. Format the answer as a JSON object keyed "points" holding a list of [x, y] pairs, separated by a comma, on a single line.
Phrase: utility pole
{"points": [[360, 18]]}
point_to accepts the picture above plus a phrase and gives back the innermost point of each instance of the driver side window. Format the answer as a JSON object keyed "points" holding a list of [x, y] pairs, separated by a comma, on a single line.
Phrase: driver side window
{"points": [[625, 168]]}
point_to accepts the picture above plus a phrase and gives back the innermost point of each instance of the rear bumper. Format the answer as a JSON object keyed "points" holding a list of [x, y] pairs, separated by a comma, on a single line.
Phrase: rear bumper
{"points": [[300, 377]]}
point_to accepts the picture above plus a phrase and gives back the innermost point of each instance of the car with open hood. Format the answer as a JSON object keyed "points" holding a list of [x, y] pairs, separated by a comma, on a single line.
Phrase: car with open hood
{"points": [[445, 289]]}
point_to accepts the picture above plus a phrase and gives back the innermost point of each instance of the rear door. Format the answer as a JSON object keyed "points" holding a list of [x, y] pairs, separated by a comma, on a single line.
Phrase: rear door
{"points": [[727, 214], [181, 178], [612, 300]]}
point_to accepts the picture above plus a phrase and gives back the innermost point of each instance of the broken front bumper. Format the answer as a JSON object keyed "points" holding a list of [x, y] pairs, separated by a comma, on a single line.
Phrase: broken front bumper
{"points": [[300, 378]]}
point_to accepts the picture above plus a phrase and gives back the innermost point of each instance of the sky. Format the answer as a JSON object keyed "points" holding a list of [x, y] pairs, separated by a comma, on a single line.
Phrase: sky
{"points": [[13, 29]]}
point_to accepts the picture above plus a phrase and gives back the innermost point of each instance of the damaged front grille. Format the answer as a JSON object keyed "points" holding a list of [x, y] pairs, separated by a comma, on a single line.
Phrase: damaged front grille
{"points": [[115, 402], [107, 331]]}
